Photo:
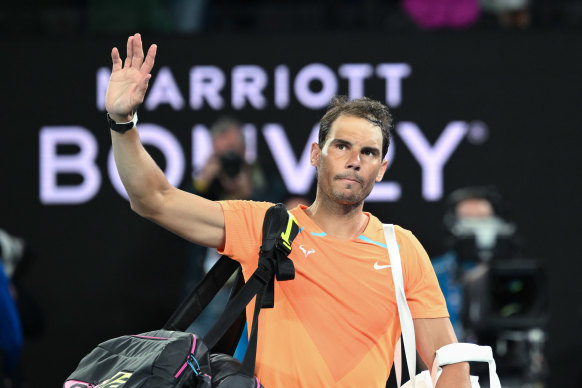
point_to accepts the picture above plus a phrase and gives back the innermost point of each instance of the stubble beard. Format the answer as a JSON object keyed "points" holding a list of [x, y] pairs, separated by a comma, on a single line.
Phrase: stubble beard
{"points": [[353, 198]]}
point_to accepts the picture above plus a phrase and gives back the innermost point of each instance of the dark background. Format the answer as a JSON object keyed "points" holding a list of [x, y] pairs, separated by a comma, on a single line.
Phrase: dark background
{"points": [[101, 271]]}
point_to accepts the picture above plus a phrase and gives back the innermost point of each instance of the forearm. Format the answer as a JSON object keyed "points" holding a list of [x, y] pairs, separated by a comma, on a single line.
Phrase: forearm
{"points": [[142, 178], [455, 376]]}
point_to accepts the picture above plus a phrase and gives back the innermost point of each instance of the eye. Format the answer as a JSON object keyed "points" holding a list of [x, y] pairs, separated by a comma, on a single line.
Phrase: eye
{"points": [[341, 146]]}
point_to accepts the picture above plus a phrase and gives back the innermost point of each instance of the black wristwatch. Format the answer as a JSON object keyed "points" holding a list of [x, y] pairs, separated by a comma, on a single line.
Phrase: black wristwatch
{"points": [[122, 127]]}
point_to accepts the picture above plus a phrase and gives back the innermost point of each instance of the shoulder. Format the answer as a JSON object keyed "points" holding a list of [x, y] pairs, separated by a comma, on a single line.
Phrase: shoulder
{"points": [[403, 236], [239, 205], [243, 215]]}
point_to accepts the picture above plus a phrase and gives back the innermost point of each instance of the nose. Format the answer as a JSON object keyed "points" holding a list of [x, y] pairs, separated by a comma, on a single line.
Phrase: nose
{"points": [[354, 160]]}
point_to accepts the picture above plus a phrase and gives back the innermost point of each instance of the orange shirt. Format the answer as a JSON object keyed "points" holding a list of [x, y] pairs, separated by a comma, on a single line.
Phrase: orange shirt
{"points": [[336, 323]]}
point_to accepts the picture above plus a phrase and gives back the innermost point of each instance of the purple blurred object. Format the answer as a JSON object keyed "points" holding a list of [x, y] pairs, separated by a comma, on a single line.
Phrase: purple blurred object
{"points": [[435, 14]]}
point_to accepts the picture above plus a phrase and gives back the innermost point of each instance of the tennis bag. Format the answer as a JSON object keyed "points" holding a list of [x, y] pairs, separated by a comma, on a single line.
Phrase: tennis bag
{"points": [[171, 357]]}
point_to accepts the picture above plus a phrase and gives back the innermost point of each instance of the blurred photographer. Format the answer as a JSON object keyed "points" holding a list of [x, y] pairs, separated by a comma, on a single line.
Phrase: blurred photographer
{"points": [[478, 231], [495, 296], [226, 174]]}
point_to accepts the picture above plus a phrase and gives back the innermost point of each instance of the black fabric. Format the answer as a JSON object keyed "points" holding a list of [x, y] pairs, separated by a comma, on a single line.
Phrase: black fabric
{"points": [[279, 230], [153, 359], [229, 341]]}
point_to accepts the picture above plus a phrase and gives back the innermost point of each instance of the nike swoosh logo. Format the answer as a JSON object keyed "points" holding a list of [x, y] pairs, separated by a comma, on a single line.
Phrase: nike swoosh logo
{"points": [[378, 266]]}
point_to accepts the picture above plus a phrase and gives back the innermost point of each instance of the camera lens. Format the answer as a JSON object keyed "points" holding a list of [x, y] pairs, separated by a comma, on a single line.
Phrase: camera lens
{"points": [[231, 163]]}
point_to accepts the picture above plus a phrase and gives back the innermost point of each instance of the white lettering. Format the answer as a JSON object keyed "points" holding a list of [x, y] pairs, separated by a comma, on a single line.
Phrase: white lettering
{"points": [[387, 191], [250, 135], [393, 72], [309, 98], [206, 82], [82, 163], [164, 140], [281, 86], [202, 147], [103, 74], [248, 82], [298, 175], [356, 73], [432, 159], [164, 91]]}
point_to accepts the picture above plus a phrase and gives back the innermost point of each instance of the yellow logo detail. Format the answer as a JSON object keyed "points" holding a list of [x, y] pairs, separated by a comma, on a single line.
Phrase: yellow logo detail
{"points": [[118, 380], [287, 234]]}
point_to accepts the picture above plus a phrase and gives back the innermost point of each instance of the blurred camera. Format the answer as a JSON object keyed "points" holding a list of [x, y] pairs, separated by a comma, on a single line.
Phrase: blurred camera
{"points": [[231, 163]]}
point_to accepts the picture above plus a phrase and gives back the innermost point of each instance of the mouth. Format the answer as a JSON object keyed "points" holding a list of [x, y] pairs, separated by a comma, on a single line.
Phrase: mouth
{"points": [[352, 179]]}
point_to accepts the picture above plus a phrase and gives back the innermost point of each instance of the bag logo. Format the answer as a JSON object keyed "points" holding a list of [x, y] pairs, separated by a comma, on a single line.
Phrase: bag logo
{"points": [[118, 380]]}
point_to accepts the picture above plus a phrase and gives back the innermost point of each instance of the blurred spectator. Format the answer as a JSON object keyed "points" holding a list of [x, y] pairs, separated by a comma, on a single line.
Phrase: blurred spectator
{"points": [[20, 314], [113, 16], [188, 16], [11, 337], [477, 233], [510, 13], [495, 296]]}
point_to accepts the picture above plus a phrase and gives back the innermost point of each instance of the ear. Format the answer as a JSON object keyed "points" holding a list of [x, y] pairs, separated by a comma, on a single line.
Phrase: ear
{"points": [[382, 170], [314, 154]]}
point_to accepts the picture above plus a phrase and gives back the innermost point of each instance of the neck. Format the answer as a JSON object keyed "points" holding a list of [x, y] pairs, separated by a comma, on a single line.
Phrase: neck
{"points": [[341, 221]]}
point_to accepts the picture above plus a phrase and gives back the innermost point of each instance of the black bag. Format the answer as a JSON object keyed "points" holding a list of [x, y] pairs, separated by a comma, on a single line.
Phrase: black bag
{"points": [[172, 358]]}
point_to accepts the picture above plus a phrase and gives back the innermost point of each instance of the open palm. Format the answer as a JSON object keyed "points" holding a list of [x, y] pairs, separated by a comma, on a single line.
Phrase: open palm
{"points": [[129, 81]]}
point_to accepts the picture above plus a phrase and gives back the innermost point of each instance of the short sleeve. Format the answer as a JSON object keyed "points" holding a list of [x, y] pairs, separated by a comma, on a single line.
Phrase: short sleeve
{"points": [[243, 231], [421, 286]]}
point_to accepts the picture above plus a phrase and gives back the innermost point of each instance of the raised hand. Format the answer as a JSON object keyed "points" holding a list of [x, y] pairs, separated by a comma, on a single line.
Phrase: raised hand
{"points": [[129, 81]]}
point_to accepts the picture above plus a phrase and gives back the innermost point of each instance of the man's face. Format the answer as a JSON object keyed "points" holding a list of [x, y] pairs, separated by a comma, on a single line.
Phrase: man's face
{"points": [[350, 161], [230, 140]]}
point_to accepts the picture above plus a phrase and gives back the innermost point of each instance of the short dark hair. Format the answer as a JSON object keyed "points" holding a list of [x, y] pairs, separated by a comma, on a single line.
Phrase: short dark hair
{"points": [[365, 108]]}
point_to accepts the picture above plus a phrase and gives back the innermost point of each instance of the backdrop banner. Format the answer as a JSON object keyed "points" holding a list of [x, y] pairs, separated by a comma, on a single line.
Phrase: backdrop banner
{"points": [[469, 109]]}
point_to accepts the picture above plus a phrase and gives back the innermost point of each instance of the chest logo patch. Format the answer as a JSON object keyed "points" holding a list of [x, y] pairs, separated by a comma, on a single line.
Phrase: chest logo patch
{"points": [[306, 252], [377, 266]]}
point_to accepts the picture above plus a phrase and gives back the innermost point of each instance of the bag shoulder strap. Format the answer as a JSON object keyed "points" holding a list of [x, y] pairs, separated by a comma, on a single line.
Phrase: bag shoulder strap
{"points": [[404, 314]]}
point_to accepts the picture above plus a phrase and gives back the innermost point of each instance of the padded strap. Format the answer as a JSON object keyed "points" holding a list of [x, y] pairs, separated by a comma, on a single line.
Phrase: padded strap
{"points": [[406, 323], [279, 230]]}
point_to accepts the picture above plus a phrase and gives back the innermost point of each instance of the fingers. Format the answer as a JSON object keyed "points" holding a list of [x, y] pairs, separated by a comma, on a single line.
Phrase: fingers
{"points": [[137, 59], [148, 64], [143, 85], [129, 57], [116, 60]]}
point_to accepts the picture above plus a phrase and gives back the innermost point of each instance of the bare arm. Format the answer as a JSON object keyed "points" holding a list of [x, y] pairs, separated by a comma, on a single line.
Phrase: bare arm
{"points": [[432, 334], [151, 195]]}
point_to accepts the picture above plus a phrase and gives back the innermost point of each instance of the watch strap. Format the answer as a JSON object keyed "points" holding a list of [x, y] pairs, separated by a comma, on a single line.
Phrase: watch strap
{"points": [[122, 127]]}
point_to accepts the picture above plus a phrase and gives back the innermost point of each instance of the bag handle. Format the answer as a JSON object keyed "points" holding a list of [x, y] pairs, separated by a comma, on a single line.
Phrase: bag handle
{"points": [[460, 352]]}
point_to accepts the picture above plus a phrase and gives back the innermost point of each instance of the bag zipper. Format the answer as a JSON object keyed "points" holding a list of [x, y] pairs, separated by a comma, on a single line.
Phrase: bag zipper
{"points": [[190, 361]]}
